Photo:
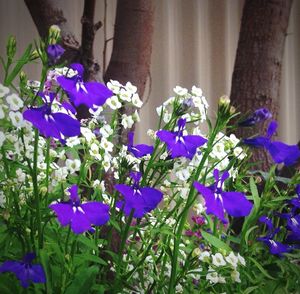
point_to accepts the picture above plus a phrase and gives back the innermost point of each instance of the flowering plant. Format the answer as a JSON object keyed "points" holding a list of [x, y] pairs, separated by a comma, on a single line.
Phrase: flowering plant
{"points": [[182, 214]]}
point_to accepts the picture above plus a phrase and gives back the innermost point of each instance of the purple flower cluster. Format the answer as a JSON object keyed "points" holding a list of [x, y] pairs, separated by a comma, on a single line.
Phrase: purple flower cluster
{"points": [[80, 216], [91, 94], [55, 124], [258, 116], [140, 200], [181, 145], [218, 202], [24, 270], [139, 150], [276, 248]]}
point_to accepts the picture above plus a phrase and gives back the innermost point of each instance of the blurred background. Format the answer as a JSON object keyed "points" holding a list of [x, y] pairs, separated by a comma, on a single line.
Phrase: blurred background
{"points": [[194, 43]]}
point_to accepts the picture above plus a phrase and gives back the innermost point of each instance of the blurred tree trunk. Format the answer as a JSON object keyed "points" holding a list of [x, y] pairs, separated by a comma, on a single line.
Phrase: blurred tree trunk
{"points": [[132, 46], [257, 70], [131, 56]]}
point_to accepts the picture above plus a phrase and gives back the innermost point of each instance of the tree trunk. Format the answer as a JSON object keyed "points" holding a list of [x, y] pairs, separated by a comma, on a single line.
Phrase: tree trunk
{"points": [[257, 71], [131, 56]]}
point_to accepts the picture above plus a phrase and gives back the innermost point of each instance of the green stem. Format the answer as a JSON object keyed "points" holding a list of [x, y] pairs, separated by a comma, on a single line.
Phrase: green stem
{"points": [[35, 189]]}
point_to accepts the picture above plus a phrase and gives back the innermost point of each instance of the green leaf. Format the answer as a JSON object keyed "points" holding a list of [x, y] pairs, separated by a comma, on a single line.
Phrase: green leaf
{"points": [[83, 281], [255, 194], [214, 241], [90, 258], [88, 242], [250, 289], [248, 233], [262, 270]]}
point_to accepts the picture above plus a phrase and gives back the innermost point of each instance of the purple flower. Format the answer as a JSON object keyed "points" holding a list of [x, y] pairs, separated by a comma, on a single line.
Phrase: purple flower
{"points": [[179, 144], [259, 115], [90, 94], [56, 124], [139, 150], [80, 216], [140, 199], [54, 52], [280, 152], [296, 201], [276, 248], [24, 270], [217, 201]]}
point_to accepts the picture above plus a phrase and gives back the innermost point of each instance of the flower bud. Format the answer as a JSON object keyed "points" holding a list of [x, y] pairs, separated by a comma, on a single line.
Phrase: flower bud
{"points": [[11, 47], [54, 34]]}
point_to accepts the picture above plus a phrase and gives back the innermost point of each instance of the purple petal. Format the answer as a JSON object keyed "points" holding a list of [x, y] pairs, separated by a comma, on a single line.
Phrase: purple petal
{"points": [[80, 222], [67, 125], [124, 189], [272, 128], [96, 212], [293, 224], [151, 197], [37, 274], [283, 153], [257, 142], [264, 219], [213, 204], [236, 204], [166, 136], [179, 149], [64, 212], [73, 190], [130, 138], [140, 150], [181, 123], [68, 84], [78, 67]]}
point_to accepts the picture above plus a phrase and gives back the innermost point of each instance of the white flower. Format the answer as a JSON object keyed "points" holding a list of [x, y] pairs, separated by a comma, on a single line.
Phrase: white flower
{"points": [[136, 101], [106, 162], [204, 256], [72, 141], [183, 174], [127, 121], [136, 116], [212, 277], [94, 151], [178, 288], [2, 114], [21, 176], [151, 134], [235, 275], [130, 88], [106, 145], [221, 280], [2, 196], [114, 86], [159, 110], [166, 117], [180, 91], [3, 90], [106, 131], [197, 91], [199, 208], [96, 113], [163, 156], [73, 165], [125, 95], [61, 174], [218, 260], [241, 259], [2, 137], [114, 103], [232, 259], [239, 153], [14, 102], [16, 119], [88, 134], [234, 140]]}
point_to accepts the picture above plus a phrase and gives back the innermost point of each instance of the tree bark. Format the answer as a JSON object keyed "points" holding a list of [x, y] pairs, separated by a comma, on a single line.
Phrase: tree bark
{"points": [[131, 56], [49, 12], [257, 70]]}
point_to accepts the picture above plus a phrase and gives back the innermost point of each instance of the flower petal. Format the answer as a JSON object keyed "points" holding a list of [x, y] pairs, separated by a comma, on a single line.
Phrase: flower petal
{"points": [[236, 204], [96, 212], [80, 222], [64, 212]]}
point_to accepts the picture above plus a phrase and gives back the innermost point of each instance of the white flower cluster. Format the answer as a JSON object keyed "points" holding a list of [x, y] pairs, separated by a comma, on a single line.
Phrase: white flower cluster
{"points": [[219, 263], [194, 101]]}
